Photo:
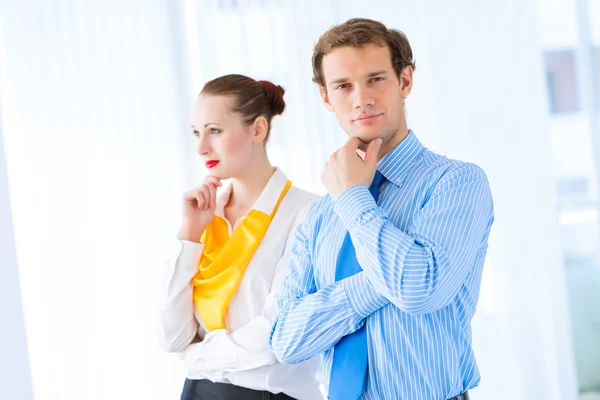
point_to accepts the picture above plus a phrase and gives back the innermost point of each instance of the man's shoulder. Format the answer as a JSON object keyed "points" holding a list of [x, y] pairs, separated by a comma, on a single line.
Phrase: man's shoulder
{"points": [[442, 168]]}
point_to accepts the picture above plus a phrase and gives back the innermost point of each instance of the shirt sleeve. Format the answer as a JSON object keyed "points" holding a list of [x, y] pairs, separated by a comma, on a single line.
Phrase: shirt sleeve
{"points": [[310, 321], [247, 347], [421, 270], [177, 326]]}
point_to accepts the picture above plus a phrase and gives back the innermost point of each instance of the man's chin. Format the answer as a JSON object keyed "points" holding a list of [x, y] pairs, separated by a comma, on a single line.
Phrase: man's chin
{"points": [[367, 137]]}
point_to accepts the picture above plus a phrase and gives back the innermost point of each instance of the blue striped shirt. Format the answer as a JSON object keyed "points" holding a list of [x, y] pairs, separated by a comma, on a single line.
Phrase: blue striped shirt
{"points": [[422, 250]]}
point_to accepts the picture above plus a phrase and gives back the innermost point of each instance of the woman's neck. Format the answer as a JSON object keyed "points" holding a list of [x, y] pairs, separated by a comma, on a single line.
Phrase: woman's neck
{"points": [[248, 187]]}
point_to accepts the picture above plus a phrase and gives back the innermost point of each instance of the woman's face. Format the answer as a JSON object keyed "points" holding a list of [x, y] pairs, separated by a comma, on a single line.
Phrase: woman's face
{"points": [[224, 141]]}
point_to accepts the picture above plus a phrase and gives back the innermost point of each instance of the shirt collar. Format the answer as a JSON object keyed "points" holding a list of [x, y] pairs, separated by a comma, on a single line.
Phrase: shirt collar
{"points": [[267, 200], [396, 164]]}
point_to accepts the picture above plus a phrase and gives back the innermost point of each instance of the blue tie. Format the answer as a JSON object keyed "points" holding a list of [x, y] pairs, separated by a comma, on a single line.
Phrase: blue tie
{"points": [[349, 367]]}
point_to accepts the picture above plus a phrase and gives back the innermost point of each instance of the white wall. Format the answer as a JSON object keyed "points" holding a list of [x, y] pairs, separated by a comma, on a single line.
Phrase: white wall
{"points": [[15, 379], [96, 99]]}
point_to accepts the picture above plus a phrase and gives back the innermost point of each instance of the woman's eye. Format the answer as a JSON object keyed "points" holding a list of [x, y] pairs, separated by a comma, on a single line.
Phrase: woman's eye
{"points": [[215, 130], [196, 133]]}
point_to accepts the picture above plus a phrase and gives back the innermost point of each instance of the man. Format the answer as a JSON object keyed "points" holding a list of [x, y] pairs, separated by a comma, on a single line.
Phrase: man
{"points": [[385, 271]]}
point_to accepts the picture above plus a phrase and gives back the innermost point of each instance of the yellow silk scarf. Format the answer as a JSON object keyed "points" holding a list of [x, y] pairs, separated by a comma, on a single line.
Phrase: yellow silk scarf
{"points": [[224, 261]]}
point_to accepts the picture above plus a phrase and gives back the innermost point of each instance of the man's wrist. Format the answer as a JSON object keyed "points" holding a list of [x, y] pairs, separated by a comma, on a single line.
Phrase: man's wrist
{"points": [[352, 203]]}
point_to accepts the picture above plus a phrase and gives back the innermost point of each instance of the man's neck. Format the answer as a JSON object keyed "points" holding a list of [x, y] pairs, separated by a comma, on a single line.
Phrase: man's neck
{"points": [[393, 141]]}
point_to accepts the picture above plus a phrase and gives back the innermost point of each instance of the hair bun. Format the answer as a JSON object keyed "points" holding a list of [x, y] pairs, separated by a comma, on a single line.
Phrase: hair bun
{"points": [[274, 95]]}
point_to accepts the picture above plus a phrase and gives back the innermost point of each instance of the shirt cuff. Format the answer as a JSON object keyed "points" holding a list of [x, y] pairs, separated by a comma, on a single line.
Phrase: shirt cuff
{"points": [[190, 253], [183, 261], [363, 299], [353, 206]]}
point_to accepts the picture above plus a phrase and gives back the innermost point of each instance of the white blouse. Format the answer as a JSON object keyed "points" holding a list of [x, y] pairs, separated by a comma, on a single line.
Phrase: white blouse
{"points": [[240, 355]]}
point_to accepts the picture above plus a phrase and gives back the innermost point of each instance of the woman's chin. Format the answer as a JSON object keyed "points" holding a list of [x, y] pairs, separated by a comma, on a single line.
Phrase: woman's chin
{"points": [[218, 174]]}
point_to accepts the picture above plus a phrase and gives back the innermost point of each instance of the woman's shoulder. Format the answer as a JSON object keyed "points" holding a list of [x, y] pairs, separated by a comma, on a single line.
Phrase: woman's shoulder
{"points": [[302, 196], [297, 202], [300, 204]]}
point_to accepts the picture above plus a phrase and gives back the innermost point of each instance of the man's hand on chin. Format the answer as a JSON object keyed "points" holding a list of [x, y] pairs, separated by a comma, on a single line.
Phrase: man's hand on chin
{"points": [[347, 168]]}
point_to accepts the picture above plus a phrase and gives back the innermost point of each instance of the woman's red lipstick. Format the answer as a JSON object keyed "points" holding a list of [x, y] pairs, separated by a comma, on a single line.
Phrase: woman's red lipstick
{"points": [[211, 164]]}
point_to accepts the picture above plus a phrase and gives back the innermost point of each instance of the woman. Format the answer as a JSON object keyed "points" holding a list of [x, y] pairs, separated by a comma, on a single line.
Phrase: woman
{"points": [[219, 295]]}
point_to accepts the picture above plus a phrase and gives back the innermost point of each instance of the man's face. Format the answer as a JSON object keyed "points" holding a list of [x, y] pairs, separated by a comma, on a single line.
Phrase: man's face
{"points": [[364, 91]]}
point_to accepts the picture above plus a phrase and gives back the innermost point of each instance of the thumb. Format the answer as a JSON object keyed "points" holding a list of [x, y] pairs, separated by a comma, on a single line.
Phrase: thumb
{"points": [[373, 151]]}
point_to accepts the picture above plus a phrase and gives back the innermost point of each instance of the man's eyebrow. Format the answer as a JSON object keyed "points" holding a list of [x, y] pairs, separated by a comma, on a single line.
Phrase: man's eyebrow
{"points": [[380, 72], [339, 80], [369, 75]]}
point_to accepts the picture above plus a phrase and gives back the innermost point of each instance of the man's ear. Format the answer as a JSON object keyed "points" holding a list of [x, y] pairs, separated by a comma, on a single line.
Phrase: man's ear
{"points": [[406, 81], [325, 97]]}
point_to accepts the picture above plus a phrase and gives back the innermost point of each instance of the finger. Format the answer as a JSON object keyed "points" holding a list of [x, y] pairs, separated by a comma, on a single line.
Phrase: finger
{"points": [[212, 183], [356, 145], [206, 193], [323, 175], [192, 192], [213, 180], [199, 196], [334, 156], [190, 195], [324, 170], [212, 200], [373, 151], [362, 146], [361, 153], [354, 142]]}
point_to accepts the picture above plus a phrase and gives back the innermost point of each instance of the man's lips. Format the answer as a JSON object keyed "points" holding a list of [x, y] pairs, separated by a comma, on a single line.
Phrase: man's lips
{"points": [[367, 118]]}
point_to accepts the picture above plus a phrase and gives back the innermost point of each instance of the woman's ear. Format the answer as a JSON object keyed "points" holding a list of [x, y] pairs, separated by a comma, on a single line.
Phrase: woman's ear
{"points": [[260, 128]]}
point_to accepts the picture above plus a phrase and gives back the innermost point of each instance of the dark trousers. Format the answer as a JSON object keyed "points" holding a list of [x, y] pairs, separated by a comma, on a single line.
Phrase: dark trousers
{"points": [[207, 390]]}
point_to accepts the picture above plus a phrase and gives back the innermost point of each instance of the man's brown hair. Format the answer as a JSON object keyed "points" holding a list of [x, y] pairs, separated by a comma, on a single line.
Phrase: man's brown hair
{"points": [[359, 32]]}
